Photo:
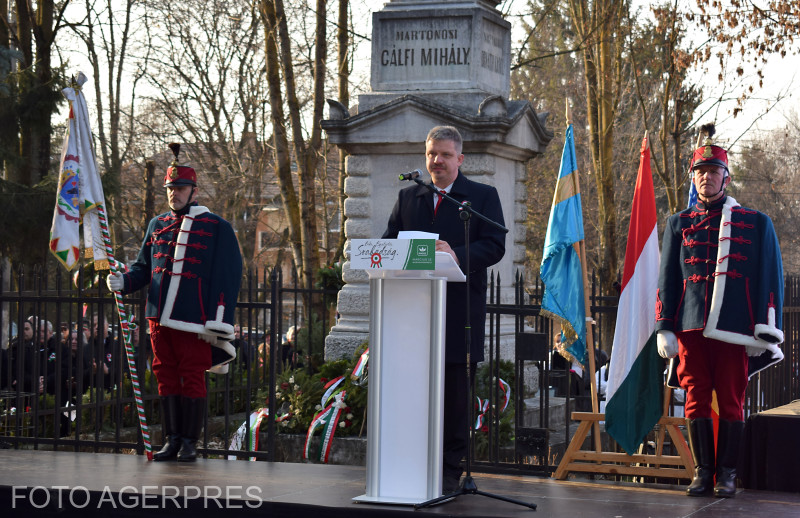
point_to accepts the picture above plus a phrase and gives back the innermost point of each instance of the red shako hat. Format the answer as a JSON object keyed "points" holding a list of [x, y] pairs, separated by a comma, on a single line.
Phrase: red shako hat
{"points": [[709, 153], [179, 174]]}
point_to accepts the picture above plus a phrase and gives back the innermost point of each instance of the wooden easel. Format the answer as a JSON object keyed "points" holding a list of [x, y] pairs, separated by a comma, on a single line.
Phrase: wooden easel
{"points": [[598, 461], [656, 465]]}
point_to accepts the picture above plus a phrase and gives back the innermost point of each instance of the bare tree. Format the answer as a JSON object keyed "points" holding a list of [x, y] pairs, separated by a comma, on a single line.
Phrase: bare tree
{"points": [[300, 203], [344, 68], [660, 62], [598, 26], [575, 41], [547, 71], [109, 32], [766, 177], [206, 72], [749, 32]]}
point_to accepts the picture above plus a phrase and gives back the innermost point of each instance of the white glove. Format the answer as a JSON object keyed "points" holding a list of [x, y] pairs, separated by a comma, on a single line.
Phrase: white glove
{"points": [[115, 281], [667, 344], [212, 339], [753, 351]]}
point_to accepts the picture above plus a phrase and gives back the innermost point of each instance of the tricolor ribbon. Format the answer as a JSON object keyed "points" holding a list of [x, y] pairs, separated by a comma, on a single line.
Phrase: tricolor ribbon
{"points": [[360, 369], [483, 404], [255, 421], [505, 388], [329, 388], [327, 419]]}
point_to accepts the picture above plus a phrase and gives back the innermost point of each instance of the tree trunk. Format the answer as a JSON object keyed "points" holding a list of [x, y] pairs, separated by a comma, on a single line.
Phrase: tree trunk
{"points": [[44, 37], [10, 161], [283, 168], [306, 155], [149, 208], [343, 38], [597, 26], [24, 174]]}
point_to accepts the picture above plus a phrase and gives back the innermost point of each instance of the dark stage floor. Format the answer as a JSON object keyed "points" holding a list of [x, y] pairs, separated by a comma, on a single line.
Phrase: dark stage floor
{"points": [[88, 484]]}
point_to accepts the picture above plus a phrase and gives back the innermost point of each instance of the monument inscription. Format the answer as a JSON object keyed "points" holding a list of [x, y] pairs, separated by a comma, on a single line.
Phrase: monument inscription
{"points": [[433, 51], [419, 44]]}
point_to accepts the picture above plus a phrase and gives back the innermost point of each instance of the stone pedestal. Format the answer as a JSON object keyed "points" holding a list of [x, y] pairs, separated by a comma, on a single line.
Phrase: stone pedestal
{"points": [[411, 94]]}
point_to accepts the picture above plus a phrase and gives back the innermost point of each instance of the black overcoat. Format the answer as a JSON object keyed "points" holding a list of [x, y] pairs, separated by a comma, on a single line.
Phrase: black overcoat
{"points": [[414, 211]]}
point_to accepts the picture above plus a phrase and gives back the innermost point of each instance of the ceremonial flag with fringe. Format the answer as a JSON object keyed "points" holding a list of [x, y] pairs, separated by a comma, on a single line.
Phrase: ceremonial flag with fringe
{"points": [[635, 381], [561, 270], [80, 191]]}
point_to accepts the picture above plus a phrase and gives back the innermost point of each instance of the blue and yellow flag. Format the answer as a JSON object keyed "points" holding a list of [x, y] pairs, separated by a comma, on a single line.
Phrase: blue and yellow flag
{"points": [[561, 270]]}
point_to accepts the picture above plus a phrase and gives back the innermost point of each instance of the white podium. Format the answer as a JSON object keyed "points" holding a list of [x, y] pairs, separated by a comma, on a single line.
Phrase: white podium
{"points": [[406, 378]]}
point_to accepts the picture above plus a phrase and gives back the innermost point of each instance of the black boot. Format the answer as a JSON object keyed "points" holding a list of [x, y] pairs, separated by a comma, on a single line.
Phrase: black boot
{"points": [[728, 444], [701, 442], [194, 411], [171, 419]]}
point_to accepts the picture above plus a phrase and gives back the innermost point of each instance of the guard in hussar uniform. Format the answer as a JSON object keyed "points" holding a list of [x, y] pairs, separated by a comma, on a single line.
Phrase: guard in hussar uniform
{"points": [[719, 308], [191, 260]]}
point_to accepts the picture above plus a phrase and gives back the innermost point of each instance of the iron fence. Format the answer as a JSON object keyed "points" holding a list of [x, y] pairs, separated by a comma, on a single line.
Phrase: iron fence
{"points": [[85, 399], [86, 409], [538, 445]]}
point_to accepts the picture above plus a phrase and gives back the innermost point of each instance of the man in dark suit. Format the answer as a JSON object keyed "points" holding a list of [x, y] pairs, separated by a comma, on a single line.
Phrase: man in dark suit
{"points": [[420, 210]]}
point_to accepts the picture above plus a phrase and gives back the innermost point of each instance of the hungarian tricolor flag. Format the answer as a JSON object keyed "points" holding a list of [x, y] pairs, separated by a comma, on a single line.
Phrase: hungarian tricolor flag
{"points": [[635, 381]]}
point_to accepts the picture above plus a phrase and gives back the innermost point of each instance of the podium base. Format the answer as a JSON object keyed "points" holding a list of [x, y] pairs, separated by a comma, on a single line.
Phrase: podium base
{"points": [[469, 487], [389, 500]]}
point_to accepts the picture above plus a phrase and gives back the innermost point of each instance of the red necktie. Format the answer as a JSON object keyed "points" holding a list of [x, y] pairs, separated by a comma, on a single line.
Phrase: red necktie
{"points": [[439, 201]]}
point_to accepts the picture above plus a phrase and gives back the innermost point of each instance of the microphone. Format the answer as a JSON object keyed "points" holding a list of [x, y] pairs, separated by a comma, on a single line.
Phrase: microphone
{"points": [[413, 175]]}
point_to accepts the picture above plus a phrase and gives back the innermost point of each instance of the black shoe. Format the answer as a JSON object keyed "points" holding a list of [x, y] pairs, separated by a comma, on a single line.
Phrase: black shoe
{"points": [[170, 449], [701, 442], [171, 418], [726, 483], [188, 451], [728, 446], [193, 416], [702, 483]]}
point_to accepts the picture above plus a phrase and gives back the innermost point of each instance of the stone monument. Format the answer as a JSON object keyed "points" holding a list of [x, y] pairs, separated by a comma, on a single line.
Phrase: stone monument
{"points": [[433, 62]]}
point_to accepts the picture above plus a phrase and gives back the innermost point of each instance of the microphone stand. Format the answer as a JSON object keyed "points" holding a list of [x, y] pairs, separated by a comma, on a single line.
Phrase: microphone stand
{"points": [[468, 485]]}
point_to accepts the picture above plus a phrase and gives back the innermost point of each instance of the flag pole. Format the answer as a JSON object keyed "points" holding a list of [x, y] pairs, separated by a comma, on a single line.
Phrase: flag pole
{"points": [[580, 247], [126, 334], [643, 217], [73, 148]]}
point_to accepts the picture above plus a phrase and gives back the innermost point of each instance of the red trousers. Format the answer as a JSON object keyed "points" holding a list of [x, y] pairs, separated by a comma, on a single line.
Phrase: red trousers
{"points": [[710, 365], [180, 360]]}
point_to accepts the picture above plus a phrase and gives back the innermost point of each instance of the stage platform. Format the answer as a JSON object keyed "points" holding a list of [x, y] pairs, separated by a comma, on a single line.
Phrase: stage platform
{"points": [[47, 483]]}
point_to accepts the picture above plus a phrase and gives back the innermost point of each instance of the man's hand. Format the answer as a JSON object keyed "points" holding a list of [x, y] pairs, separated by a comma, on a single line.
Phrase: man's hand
{"points": [[667, 344], [212, 339], [115, 281], [753, 351], [443, 246]]}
